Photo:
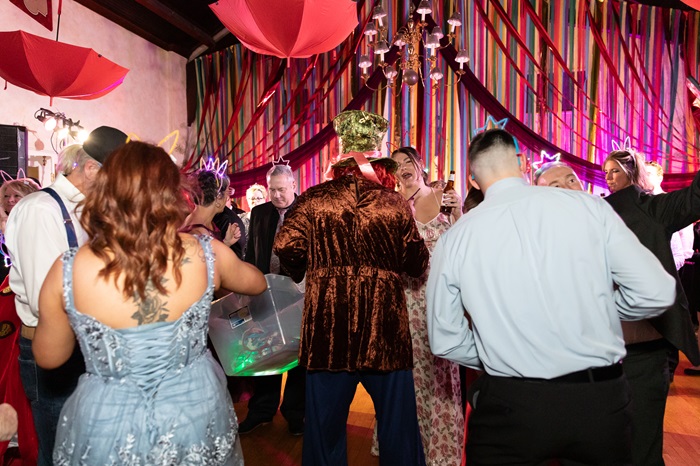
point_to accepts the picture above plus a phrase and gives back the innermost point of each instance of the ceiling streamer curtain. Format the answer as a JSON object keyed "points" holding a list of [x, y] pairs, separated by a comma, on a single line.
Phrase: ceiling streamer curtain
{"points": [[621, 87], [562, 34], [302, 154], [581, 108], [216, 74], [615, 74], [692, 66], [512, 32], [284, 110]]}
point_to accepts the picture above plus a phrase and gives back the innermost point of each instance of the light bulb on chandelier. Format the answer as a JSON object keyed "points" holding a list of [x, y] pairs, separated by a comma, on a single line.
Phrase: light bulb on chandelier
{"points": [[408, 40]]}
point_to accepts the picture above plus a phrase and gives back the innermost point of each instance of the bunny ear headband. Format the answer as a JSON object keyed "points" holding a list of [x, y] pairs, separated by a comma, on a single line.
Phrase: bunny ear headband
{"points": [[7, 177], [624, 146]]}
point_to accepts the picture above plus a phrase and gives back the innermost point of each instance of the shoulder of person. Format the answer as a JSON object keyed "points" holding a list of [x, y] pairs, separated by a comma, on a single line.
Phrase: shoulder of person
{"points": [[36, 205], [37, 198], [194, 247], [261, 209]]}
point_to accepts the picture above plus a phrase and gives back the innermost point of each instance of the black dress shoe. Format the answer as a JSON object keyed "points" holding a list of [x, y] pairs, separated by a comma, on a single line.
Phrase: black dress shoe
{"points": [[250, 425], [296, 428], [691, 371]]}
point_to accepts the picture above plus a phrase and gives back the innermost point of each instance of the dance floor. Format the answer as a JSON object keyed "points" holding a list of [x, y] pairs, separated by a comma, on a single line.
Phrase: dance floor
{"points": [[271, 445]]}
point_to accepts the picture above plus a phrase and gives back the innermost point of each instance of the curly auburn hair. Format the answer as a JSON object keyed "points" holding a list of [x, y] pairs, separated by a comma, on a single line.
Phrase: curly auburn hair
{"points": [[132, 216]]}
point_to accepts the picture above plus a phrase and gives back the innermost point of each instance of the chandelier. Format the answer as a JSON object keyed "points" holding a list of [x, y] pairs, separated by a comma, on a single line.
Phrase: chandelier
{"points": [[408, 39]]}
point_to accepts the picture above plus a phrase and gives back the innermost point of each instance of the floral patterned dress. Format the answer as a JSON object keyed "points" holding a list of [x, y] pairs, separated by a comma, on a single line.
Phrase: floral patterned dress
{"points": [[436, 380]]}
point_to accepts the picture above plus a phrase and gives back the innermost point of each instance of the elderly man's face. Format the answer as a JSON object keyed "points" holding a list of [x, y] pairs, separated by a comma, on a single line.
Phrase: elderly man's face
{"points": [[281, 189], [560, 177]]}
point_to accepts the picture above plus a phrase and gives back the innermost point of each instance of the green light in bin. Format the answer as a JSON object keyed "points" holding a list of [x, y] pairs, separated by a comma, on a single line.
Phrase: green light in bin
{"points": [[240, 371], [249, 363]]}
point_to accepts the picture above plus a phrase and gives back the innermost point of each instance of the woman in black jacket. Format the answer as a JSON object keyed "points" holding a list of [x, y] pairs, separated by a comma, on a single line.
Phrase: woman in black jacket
{"points": [[653, 345]]}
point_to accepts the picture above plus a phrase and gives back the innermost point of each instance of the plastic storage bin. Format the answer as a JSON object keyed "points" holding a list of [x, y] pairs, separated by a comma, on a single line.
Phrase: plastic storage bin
{"points": [[258, 335]]}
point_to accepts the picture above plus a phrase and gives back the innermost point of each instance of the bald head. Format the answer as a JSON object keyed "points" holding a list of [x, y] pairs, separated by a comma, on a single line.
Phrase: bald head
{"points": [[492, 157], [558, 175]]}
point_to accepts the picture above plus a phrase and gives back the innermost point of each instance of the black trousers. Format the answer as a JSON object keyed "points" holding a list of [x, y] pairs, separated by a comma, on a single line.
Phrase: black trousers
{"points": [[646, 367], [521, 422], [263, 405]]}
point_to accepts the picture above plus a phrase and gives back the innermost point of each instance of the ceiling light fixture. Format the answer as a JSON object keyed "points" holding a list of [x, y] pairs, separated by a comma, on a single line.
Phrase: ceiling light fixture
{"points": [[408, 39], [61, 125]]}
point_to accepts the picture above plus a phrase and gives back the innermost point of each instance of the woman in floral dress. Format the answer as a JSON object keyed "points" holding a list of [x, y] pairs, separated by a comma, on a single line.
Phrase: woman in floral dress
{"points": [[437, 383]]}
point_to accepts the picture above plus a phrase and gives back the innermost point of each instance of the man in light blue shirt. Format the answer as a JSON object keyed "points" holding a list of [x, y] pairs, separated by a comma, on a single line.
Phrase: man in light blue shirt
{"points": [[545, 277]]}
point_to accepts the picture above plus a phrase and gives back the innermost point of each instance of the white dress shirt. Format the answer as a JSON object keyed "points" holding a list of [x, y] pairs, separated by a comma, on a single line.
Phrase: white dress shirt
{"points": [[534, 268], [35, 237], [682, 245], [681, 241]]}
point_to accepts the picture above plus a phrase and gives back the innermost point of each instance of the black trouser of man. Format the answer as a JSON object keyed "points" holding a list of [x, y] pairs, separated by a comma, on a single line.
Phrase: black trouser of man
{"points": [[263, 405], [578, 420], [646, 368], [47, 391], [329, 395]]}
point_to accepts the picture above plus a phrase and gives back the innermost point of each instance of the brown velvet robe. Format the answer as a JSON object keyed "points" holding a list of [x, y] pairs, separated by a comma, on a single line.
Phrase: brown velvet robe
{"points": [[353, 238]]}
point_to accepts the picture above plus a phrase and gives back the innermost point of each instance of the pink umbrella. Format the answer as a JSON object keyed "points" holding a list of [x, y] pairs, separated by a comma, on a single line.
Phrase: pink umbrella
{"points": [[288, 28], [56, 69]]}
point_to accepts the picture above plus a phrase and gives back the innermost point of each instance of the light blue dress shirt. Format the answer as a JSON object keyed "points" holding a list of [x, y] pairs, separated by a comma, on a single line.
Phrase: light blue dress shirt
{"points": [[534, 268]]}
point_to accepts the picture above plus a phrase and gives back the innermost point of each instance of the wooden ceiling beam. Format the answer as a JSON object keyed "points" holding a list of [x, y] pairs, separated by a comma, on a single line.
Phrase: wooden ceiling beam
{"points": [[104, 8], [178, 21]]}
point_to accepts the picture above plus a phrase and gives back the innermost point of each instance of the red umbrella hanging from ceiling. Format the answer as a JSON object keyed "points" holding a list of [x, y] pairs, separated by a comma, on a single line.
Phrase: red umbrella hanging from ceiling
{"points": [[56, 69], [288, 28]]}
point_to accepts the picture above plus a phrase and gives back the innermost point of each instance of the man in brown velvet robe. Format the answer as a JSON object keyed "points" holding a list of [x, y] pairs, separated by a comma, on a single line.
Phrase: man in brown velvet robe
{"points": [[353, 236]]}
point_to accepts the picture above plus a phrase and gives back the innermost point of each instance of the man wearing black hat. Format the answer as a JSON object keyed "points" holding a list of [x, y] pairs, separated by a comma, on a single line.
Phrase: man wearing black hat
{"points": [[42, 226]]}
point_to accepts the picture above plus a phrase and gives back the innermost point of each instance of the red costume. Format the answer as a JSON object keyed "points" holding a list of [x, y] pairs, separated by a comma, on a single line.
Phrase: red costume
{"points": [[11, 390]]}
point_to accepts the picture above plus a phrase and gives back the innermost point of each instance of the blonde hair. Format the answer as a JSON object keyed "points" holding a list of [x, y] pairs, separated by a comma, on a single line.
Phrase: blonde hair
{"points": [[252, 188], [632, 164], [23, 187], [659, 170]]}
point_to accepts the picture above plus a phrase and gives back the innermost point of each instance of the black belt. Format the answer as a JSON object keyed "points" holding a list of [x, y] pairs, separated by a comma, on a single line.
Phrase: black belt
{"points": [[595, 374]]}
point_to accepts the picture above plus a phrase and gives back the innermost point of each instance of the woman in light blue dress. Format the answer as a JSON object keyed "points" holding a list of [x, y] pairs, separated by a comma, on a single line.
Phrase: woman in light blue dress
{"points": [[137, 296]]}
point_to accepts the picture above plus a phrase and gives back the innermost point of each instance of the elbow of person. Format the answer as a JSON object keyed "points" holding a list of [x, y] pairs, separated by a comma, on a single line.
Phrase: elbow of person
{"points": [[669, 292], [665, 295], [438, 349], [49, 360], [262, 286]]}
